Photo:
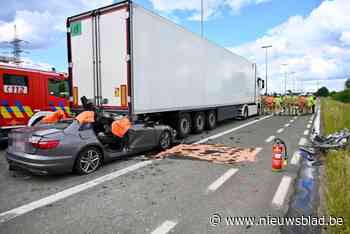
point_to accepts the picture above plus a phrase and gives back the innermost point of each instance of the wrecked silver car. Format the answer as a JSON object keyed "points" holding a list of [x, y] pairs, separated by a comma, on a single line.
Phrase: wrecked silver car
{"points": [[73, 145]]}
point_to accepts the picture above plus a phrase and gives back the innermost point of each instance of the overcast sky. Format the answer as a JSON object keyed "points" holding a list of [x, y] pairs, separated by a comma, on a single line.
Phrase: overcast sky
{"points": [[311, 36]]}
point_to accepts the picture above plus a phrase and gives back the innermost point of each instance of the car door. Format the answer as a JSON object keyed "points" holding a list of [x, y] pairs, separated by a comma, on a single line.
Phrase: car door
{"points": [[142, 137]]}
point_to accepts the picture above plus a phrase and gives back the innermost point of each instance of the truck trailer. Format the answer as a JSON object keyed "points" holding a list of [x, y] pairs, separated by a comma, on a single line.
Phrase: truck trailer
{"points": [[128, 59]]}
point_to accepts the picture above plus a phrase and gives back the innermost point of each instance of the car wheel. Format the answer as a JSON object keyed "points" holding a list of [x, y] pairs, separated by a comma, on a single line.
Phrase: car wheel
{"points": [[198, 122], [211, 120], [165, 140], [184, 125], [88, 161]]}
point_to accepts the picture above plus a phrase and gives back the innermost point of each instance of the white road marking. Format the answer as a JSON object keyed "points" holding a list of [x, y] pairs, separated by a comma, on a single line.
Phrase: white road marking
{"points": [[308, 126], [306, 132], [302, 141], [295, 158], [10, 214], [295, 117], [281, 191], [280, 130], [231, 130], [165, 227], [269, 139], [222, 179], [291, 121], [287, 125], [310, 121], [257, 150]]}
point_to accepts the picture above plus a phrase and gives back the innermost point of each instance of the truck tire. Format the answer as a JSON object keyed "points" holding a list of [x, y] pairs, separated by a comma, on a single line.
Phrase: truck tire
{"points": [[184, 124], [198, 122], [210, 120]]}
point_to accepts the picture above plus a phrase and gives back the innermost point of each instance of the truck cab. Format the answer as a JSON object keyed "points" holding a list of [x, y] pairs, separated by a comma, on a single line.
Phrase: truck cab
{"points": [[24, 91]]}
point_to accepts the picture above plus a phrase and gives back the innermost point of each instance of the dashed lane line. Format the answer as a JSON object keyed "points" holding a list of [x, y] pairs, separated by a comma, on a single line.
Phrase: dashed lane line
{"points": [[281, 191], [287, 125], [295, 158], [302, 141], [306, 132], [280, 130], [11, 214], [165, 227], [269, 139], [222, 179], [308, 126], [258, 150]]}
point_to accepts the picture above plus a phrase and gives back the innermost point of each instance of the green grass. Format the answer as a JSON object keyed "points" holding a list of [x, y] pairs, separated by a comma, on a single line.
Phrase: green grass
{"points": [[335, 116]]}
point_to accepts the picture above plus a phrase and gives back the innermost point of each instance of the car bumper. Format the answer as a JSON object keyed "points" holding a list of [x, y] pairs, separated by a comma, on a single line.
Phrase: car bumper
{"points": [[40, 164]]}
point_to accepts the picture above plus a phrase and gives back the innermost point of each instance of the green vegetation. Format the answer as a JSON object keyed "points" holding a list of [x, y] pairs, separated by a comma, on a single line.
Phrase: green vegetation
{"points": [[322, 92], [335, 116], [343, 96]]}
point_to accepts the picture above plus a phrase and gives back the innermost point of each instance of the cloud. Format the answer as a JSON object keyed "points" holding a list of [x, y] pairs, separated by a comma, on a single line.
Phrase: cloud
{"points": [[40, 23], [211, 8], [316, 48]]}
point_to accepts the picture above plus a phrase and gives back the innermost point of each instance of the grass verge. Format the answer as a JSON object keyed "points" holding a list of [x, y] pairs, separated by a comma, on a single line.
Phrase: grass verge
{"points": [[335, 116]]}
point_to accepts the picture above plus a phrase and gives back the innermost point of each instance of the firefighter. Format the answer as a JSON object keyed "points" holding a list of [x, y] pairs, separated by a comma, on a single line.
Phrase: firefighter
{"points": [[309, 103], [301, 103], [269, 104], [295, 108], [287, 104], [277, 104]]}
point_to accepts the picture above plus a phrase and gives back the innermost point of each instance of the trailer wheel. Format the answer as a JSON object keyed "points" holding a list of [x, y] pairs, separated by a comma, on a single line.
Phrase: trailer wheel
{"points": [[184, 125], [198, 122], [211, 120]]}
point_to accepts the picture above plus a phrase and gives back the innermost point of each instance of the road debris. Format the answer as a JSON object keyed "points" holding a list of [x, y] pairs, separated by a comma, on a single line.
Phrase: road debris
{"points": [[216, 153]]}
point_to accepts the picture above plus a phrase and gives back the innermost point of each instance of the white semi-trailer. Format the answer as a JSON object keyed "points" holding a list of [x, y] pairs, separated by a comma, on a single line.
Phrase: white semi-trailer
{"points": [[126, 58]]}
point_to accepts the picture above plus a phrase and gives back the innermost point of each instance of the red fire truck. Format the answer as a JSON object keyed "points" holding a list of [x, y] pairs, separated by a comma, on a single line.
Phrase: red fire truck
{"points": [[23, 92]]}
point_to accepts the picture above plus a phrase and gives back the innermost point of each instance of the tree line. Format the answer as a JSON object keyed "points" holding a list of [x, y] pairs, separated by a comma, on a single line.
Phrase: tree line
{"points": [[343, 96]]}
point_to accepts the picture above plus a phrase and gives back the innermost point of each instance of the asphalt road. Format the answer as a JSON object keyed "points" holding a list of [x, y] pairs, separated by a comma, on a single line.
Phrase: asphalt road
{"points": [[169, 195]]}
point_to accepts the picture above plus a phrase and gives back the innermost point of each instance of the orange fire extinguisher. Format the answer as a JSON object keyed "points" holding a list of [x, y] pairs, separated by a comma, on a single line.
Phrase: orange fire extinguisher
{"points": [[279, 155]]}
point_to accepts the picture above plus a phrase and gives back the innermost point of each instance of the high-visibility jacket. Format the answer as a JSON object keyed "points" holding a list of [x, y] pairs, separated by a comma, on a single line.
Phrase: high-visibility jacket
{"points": [[86, 117], [310, 101], [269, 101], [120, 127], [302, 101], [278, 101], [54, 117]]}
